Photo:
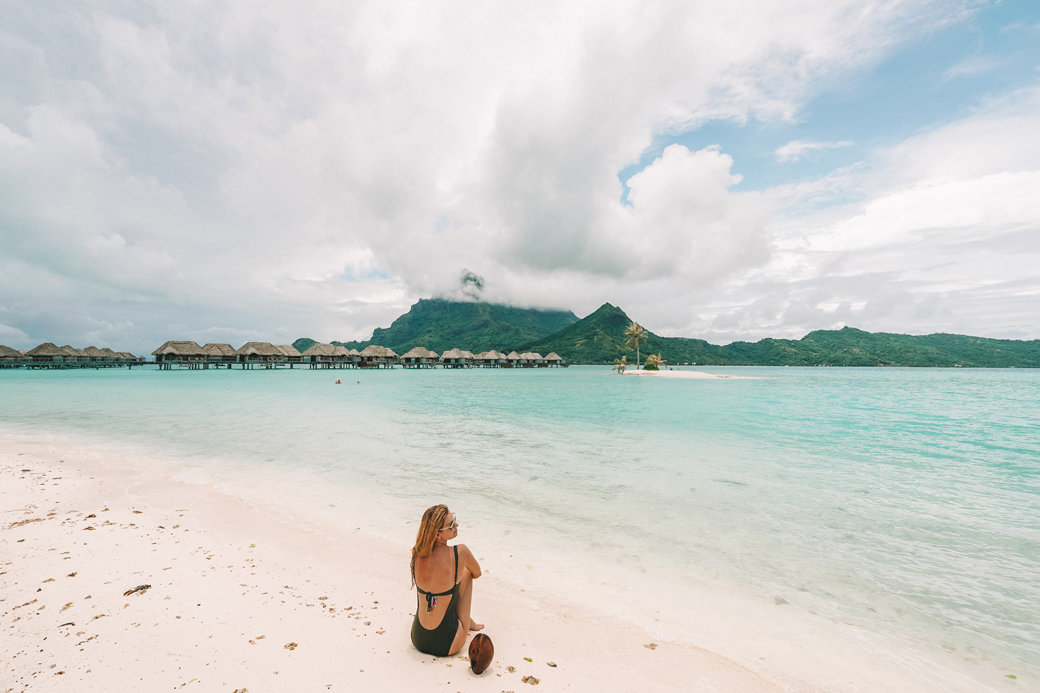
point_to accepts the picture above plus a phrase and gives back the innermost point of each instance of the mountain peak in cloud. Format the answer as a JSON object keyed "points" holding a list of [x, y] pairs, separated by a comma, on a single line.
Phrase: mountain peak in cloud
{"points": [[471, 284]]}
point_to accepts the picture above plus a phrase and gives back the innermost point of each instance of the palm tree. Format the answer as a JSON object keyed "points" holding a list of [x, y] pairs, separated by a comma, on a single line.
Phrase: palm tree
{"points": [[621, 364], [654, 362], [634, 334]]}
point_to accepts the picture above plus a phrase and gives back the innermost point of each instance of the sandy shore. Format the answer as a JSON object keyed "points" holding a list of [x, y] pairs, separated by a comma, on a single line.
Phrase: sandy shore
{"points": [[119, 578], [666, 373]]}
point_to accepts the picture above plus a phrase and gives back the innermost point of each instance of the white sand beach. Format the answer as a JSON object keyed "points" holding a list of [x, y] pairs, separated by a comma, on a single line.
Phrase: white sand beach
{"points": [[668, 373], [115, 577]]}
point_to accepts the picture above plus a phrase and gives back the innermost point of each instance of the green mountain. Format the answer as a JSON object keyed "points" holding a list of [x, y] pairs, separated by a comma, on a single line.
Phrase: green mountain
{"points": [[440, 325], [599, 338], [304, 343], [596, 338]]}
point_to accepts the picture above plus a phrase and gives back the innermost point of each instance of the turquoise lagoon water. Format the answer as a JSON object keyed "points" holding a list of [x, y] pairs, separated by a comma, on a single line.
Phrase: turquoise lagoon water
{"points": [[896, 510]]}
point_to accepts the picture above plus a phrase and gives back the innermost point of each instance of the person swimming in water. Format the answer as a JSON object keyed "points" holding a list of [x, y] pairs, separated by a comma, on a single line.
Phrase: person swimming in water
{"points": [[443, 577]]}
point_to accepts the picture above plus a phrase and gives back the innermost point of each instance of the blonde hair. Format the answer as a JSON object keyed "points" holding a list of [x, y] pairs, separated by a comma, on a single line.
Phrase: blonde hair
{"points": [[429, 529]]}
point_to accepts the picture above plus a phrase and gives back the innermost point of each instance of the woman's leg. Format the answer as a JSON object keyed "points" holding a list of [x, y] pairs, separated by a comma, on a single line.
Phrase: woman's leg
{"points": [[466, 623], [466, 601]]}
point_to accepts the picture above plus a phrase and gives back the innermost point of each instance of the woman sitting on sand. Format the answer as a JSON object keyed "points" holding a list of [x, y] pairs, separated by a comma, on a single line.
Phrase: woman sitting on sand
{"points": [[443, 576]]}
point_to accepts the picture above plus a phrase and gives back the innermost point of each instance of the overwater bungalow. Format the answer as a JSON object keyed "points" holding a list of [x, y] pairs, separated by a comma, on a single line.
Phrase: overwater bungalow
{"points": [[553, 360], [319, 355], [374, 356], [259, 355], [94, 355], [72, 356], [455, 358], [219, 355], [291, 354], [184, 354], [11, 358], [329, 356], [344, 357], [490, 359], [129, 359], [531, 359], [420, 357], [511, 361], [46, 355]]}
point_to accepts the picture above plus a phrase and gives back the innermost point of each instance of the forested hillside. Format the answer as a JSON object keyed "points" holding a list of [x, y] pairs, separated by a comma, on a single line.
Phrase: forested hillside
{"points": [[440, 325], [600, 338]]}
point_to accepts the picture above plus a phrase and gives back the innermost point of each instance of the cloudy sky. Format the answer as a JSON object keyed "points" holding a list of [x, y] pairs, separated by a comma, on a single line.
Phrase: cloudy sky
{"points": [[236, 171]]}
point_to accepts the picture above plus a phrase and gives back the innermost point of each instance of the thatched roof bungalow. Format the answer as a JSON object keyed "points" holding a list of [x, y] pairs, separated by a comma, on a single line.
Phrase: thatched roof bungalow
{"points": [[292, 355], [264, 354], [11, 358], [219, 354], [93, 354], [553, 359], [129, 358], [374, 356], [319, 355], [181, 353], [490, 359], [347, 357], [45, 354], [73, 355], [511, 361], [329, 356], [319, 349], [531, 359], [455, 358], [420, 357]]}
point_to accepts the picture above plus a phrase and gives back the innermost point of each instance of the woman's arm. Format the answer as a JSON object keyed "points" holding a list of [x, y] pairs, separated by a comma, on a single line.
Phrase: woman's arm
{"points": [[468, 560]]}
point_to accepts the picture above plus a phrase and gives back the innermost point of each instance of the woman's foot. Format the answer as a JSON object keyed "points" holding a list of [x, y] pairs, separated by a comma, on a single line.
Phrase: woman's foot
{"points": [[473, 625]]}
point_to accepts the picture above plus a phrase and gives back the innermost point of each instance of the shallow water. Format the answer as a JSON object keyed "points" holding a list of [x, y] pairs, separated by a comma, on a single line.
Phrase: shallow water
{"points": [[899, 507]]}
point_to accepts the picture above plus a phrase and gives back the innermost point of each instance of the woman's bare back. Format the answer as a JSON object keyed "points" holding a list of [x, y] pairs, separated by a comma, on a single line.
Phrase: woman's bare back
{"points": [[435, 573]]}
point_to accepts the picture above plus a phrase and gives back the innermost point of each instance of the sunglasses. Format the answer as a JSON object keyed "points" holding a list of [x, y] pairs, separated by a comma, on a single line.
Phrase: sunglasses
{"points": [[454, 523]]}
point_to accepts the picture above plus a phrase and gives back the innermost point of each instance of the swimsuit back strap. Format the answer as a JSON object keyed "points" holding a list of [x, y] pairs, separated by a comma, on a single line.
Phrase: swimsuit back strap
{"points": [[434, 594], [456, 578], [431, 597]]}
